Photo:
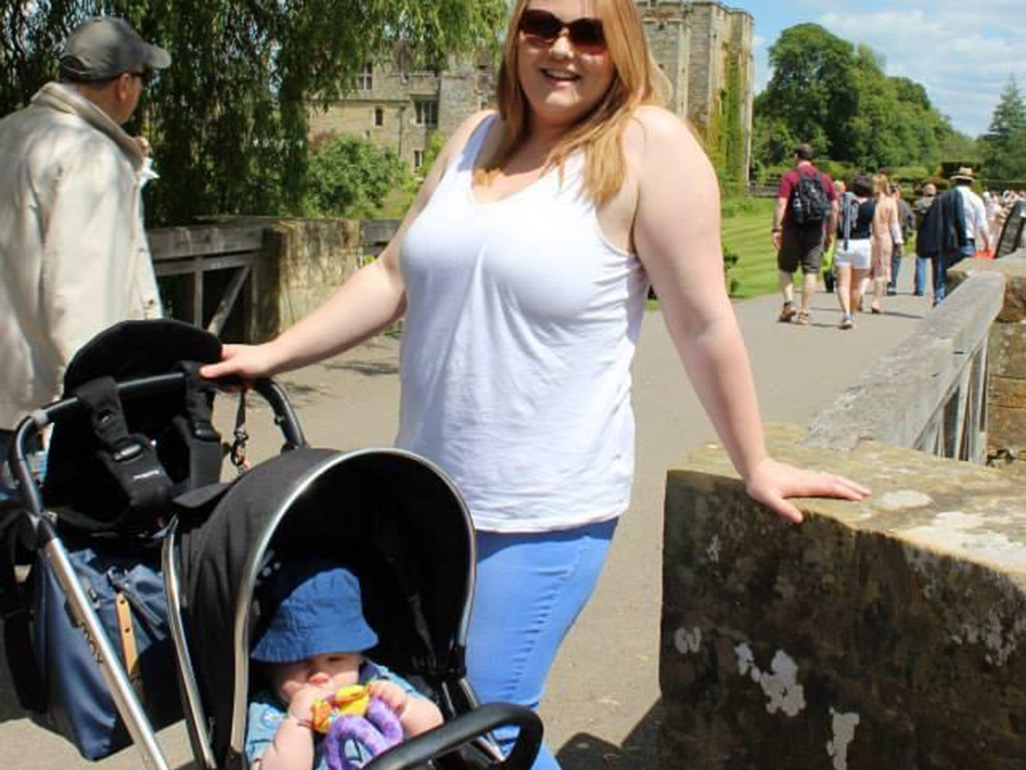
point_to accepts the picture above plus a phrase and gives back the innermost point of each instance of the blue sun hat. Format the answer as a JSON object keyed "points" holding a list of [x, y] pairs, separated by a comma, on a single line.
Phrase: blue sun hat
{"points": [[317, 609]]}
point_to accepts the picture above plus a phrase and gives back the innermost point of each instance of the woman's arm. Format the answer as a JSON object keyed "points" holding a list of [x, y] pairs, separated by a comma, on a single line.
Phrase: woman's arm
{"points": [[677, 236], [366, 303]]}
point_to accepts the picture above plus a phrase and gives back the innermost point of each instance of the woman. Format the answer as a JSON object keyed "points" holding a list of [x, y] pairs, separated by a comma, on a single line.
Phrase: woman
{"points": [[522, 269], [886, 233], [854, 247]]}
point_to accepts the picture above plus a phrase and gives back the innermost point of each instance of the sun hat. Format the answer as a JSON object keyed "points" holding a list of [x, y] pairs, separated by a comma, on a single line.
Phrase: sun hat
{"points": [[316, 609], [965, 173], [103, 47]]}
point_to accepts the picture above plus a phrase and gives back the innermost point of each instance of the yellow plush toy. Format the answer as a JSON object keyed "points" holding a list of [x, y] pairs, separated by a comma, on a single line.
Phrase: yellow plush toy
{"points": [[352, 701]]}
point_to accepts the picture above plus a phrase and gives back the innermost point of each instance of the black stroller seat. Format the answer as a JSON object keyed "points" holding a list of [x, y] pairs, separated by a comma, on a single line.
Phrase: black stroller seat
{"points": [[398, 523], [81, 585]]}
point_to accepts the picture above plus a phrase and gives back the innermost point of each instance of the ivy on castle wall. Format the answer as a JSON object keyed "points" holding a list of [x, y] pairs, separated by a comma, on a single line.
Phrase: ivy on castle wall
{"points": [[725, 134]]}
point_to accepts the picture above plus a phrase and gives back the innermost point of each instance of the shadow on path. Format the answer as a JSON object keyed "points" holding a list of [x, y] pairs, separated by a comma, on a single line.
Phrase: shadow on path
{"points": [[583, 751]]}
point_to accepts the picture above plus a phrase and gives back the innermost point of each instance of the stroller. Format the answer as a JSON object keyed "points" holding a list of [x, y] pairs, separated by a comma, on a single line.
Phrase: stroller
{"points": [[395, 519]]}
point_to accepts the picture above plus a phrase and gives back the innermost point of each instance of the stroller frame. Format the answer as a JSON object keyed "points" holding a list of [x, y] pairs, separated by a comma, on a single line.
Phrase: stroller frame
{"points": [[252, 516], [44, 539]]}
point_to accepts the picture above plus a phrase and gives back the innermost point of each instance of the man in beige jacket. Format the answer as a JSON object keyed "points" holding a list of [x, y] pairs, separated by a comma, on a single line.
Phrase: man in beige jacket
{"points": [[73, 252]]}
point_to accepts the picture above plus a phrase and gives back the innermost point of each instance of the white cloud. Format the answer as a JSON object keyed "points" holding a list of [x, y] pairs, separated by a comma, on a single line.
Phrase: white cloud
{"points": [[963, 57]]}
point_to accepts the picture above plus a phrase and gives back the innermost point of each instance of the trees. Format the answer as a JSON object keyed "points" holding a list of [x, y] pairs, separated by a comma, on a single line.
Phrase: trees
{"points": [[811, 91], [1004, 145], [835, 95], [228, 119], [350, 177]]}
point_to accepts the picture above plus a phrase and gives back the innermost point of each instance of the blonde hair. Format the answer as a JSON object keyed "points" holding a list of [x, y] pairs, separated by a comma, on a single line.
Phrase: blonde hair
{"points": [[881, 185], [637, 80]]}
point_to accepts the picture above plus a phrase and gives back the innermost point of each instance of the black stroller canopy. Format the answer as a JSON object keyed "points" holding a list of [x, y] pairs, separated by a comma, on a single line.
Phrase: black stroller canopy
{"points": [[390, 516]]}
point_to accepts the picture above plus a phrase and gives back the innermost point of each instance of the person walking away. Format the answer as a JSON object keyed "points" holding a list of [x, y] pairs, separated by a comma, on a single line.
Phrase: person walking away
{"points": [[975, 214], [854, 254], [919, 209], [518, 341], [906, 221], [73, 252], [804, 222], [886, 235], [829, 274], [943, 237], [992, 206]]}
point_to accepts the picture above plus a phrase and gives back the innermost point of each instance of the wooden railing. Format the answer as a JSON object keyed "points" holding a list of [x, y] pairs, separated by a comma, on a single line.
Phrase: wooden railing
{"points": [[218, 262], [929, 393]]}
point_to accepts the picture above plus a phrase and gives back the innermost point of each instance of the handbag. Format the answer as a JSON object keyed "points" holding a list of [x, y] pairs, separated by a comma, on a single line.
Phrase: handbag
{"points": [[127, 592]]}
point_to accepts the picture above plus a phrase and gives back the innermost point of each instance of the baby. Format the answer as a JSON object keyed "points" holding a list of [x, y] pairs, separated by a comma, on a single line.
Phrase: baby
{"points": [[313, 647]]}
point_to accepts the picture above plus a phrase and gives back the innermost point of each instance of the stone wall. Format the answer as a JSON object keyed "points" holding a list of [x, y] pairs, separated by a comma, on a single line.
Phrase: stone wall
{"points": [[691, 41], [394, 94], [889, 633], [304, 262]]}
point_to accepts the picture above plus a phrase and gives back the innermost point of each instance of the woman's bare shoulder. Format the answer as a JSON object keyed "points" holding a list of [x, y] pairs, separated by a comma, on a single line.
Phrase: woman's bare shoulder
{"points": [[655, 132], [460, 136]]}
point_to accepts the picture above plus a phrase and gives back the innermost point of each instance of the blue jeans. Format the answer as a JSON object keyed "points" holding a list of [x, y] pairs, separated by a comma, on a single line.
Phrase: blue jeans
{"points": [[941, 265], [920, 276], [892, 286], [530, 590]]}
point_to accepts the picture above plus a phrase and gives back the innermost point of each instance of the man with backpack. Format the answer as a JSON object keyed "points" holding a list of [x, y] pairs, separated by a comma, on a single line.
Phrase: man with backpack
{"points": [[804, 223]]}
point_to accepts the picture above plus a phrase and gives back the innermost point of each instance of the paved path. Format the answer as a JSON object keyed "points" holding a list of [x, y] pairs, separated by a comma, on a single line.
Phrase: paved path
{"points": [[602, 706]]}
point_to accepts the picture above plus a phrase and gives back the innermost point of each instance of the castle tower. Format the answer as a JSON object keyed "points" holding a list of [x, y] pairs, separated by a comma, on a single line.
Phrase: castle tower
{"points": [[705, 49]]}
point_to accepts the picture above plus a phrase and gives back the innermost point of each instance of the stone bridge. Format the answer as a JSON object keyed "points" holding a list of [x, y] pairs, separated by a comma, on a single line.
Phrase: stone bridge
{"points": [[719, 638]]}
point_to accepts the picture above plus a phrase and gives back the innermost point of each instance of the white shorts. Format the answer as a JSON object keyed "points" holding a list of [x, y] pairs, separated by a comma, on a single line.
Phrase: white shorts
{"points": [[858, 255]]}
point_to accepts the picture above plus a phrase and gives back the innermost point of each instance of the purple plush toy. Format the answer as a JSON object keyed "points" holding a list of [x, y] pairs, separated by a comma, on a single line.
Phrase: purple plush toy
{"points": [[352, 715]]}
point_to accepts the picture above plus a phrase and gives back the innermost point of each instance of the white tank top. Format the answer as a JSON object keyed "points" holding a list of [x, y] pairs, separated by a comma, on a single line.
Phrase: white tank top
{"points": [[521, 325]]}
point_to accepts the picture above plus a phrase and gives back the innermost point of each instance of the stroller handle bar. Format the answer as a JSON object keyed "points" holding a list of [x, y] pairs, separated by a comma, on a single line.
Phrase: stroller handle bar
{"points": [[33, 425], [463, 729]]}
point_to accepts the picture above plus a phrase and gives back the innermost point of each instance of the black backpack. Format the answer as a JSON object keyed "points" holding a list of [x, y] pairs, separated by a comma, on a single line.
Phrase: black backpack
{"points": [[809, 203], [849, 217]]}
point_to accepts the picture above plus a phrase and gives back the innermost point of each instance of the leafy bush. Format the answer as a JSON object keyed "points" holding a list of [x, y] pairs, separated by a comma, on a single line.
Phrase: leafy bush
{"points": [[349, 177], [730, 260], [837, 169], [739, 206]]}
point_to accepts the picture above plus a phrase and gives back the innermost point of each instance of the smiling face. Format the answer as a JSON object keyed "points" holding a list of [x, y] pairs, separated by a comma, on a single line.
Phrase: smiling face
{"points": [[337, 669], [561, 79]]}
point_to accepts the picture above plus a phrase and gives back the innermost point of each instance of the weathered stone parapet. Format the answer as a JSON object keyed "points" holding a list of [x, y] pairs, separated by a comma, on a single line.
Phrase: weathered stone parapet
{"points": [[305, 261], [889, 633]]}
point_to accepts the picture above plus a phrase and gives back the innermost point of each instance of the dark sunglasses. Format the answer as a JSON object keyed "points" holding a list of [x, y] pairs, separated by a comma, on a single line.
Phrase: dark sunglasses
{"points": [[585, 34], [146, 76]]}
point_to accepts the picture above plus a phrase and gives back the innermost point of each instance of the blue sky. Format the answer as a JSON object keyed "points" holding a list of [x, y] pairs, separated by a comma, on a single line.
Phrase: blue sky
{"points": [[961, 52]]}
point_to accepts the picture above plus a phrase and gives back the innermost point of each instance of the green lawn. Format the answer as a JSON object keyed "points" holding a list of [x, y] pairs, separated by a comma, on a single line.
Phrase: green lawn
{"points": [[747, 234]]}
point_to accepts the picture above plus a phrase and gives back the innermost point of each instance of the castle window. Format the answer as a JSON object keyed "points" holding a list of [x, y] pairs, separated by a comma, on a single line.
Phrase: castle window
{"points": [[365, 80], [379, 116], [427, 113], [418, 159]]}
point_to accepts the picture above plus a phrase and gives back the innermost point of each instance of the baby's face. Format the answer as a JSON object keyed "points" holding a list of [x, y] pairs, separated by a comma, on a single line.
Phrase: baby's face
{"points": [[333, 669]]}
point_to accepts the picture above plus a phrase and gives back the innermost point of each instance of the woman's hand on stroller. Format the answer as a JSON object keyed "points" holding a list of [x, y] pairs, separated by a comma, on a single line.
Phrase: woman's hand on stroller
{"points": [[242, 362]]}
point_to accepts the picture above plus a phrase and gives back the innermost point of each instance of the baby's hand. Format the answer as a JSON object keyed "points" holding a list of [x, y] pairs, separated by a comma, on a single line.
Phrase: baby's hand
{"points": [[394, 696], [301, 705]]}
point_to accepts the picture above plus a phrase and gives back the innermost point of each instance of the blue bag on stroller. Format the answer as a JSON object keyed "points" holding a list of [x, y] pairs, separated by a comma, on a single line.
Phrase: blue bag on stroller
{"points": [[133, 433]]}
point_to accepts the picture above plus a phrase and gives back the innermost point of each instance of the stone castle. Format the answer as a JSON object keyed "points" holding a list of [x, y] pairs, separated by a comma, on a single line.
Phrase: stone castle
{"points": [[705, 49]]}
